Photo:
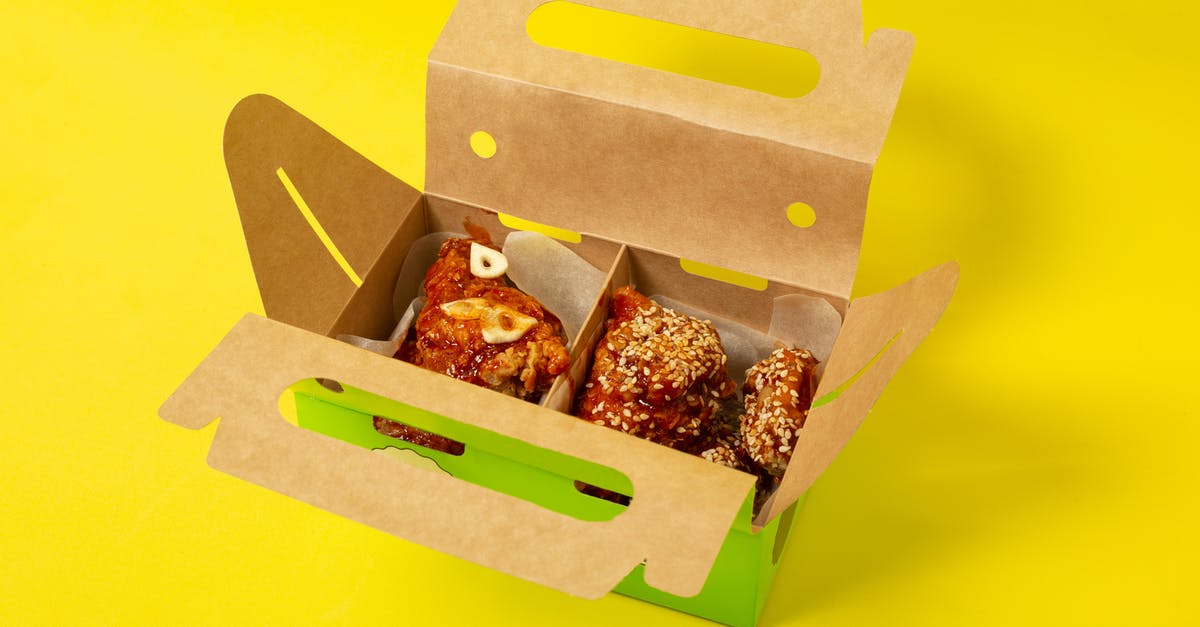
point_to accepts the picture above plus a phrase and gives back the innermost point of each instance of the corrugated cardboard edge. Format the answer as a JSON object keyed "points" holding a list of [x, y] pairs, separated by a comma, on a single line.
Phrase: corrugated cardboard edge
{"points": [[682, 506], [896, 320], [299, 281]]}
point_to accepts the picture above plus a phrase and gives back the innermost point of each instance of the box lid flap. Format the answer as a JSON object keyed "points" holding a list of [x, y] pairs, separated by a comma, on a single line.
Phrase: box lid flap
{"points": [[304, 197], [673, 163], [878, 334], [506, 533]]}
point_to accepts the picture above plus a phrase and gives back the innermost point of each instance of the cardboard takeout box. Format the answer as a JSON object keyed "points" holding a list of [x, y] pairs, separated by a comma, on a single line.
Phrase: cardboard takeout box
{"points": [[650, 175]]}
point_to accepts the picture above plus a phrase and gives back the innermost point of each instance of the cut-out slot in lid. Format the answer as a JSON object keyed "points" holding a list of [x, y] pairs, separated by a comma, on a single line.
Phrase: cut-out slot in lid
{"points": [[691, 167], [738, 61]]}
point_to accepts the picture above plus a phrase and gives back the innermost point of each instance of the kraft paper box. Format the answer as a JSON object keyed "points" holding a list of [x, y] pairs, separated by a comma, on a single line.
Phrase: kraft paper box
{"points": [[655, 179]]}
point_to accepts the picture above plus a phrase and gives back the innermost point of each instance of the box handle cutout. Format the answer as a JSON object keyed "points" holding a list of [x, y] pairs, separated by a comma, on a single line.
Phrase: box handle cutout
{"points": [[518, 469], [724, 275], [521, 224], [600, 493], [764, 67], [317, 228], [801, 215], [483, 144]]}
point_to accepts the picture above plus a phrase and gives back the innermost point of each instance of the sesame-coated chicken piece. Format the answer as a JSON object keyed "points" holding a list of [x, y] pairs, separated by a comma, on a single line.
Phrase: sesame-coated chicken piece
{"points": [[778, 393], [657, 374]]}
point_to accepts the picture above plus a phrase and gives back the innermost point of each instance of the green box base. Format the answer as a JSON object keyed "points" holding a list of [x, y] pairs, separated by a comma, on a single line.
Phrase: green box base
{"points": [[737, 586]]}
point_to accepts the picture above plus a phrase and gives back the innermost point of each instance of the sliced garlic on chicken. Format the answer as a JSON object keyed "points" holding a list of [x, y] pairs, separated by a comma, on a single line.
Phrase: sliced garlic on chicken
{"points": [[504, 324], [487, 263], [465, 309], [500, 323]]}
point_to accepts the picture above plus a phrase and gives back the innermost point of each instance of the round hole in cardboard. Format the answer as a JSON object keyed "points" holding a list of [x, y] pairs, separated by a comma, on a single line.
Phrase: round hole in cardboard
{"points": [[483, 144], [801, 215]]}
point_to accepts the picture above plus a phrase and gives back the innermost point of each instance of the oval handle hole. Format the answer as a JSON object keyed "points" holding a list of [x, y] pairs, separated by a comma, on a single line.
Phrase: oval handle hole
{"points": [[737, 61]]}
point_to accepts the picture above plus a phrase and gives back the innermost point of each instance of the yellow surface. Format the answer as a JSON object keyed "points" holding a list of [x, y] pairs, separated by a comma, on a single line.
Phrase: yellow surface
{"points": [[1034, 463]]}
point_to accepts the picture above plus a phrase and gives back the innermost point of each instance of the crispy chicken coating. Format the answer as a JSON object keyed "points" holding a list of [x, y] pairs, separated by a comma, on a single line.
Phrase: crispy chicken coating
{"points": [[725, 455], [451, 334], [723, 442], [777, 394], [657, 374]]}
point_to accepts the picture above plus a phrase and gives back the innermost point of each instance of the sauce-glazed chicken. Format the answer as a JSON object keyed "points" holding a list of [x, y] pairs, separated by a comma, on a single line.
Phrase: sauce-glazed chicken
{"points": [[657, 374], [479, 330], [778, 393], [661, 375]]}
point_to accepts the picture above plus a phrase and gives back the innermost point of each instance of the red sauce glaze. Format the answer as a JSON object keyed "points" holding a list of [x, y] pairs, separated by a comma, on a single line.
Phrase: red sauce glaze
{"points": [[656, 374], [524, 368]]}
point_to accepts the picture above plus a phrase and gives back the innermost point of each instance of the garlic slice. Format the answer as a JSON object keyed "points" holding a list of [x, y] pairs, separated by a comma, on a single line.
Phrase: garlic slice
{"points": [[487, 263], [500, 323], [504, 324], [465, 309]]}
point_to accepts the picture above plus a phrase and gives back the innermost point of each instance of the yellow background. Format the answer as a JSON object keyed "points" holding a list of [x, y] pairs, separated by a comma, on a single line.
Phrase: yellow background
{"points": [[1034, 462]]}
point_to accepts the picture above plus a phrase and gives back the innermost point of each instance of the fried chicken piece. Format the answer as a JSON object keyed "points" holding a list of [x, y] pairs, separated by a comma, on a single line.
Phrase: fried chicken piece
{"points": [[777, 395], [657, 374], [408, 433], [456, 332]]}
